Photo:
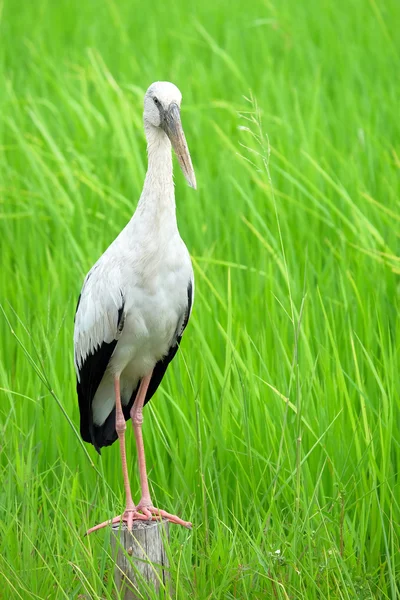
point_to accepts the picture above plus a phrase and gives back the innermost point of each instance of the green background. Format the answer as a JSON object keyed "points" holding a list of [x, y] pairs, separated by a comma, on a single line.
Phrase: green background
{"points": [[276, 429]]}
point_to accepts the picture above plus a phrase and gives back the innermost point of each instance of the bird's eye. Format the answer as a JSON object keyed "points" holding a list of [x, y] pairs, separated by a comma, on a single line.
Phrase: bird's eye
{"points": [[156, 101]]}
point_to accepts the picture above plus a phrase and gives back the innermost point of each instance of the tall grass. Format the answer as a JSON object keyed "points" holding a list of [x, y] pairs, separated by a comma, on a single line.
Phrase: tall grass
{"points": [[276, 430]]}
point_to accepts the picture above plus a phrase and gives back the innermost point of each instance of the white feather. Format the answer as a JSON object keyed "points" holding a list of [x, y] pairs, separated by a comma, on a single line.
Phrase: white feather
{"points": [[147, 268]]}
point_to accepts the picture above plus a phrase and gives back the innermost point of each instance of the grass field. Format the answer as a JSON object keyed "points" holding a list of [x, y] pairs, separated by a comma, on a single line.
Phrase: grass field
{"points": [[277, 428]]}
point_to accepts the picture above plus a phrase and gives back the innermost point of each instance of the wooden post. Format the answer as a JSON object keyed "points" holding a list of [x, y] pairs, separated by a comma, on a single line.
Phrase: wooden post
{"points": [[139, 557]]}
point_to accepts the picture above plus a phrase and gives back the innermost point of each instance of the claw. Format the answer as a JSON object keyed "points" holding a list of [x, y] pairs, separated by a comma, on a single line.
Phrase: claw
{"points": [[104, 524]]}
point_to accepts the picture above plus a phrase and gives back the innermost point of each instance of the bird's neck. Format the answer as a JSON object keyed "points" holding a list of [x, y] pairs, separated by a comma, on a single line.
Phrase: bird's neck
{"points": [[158, 196]]}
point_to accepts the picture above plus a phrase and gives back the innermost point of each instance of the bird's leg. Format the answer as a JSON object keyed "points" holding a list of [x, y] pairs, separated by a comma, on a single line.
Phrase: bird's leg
{"points": [[145, 505], [120, 425], [137, 421], [145, 509]]}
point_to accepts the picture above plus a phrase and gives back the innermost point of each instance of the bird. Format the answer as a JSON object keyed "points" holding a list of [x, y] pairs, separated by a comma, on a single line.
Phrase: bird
{"points": [[135, 304]]}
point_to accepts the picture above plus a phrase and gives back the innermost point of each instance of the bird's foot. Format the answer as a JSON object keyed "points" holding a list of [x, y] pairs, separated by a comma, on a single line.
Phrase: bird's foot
{"points": [[147, 513], [130, 515], [152, 513]]}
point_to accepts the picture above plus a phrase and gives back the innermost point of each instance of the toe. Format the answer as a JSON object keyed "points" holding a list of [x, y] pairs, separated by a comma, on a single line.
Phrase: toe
{"points": [[104, 524], [147, 513], [163, 514]]}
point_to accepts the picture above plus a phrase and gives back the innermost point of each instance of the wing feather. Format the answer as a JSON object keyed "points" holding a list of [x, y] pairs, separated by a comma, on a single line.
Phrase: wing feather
{"points": [[99, 321], [105, 434], [162, 365]]}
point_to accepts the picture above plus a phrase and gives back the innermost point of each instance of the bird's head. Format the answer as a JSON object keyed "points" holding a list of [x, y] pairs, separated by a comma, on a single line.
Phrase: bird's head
{"points": [[162, 103]]}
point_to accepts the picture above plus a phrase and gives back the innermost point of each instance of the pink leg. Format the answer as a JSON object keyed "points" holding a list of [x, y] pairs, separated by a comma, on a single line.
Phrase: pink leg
{"points": [[145, 505], [130, 511], [120, 426]]}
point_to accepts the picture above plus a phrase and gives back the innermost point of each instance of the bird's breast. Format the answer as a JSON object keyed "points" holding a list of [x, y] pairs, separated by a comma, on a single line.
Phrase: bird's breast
{"points": [[154, 306]]}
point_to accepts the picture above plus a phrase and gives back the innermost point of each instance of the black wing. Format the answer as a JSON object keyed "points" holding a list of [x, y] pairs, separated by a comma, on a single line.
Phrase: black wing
{"points": [[91, 373], [105, 434]]}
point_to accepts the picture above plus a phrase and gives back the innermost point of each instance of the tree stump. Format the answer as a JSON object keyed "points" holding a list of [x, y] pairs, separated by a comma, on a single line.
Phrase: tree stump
{"points": [[140, 558]]}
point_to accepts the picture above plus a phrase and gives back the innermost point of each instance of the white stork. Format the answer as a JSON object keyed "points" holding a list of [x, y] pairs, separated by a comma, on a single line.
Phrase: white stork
{"points": [[135, 304]]}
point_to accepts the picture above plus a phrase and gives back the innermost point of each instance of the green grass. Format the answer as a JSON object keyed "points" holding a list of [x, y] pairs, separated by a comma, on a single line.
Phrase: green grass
{"points": [[276, 430]]}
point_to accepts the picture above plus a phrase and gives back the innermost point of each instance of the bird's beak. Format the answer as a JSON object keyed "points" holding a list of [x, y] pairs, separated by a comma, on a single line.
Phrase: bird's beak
{"points": [[173, 128]]}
